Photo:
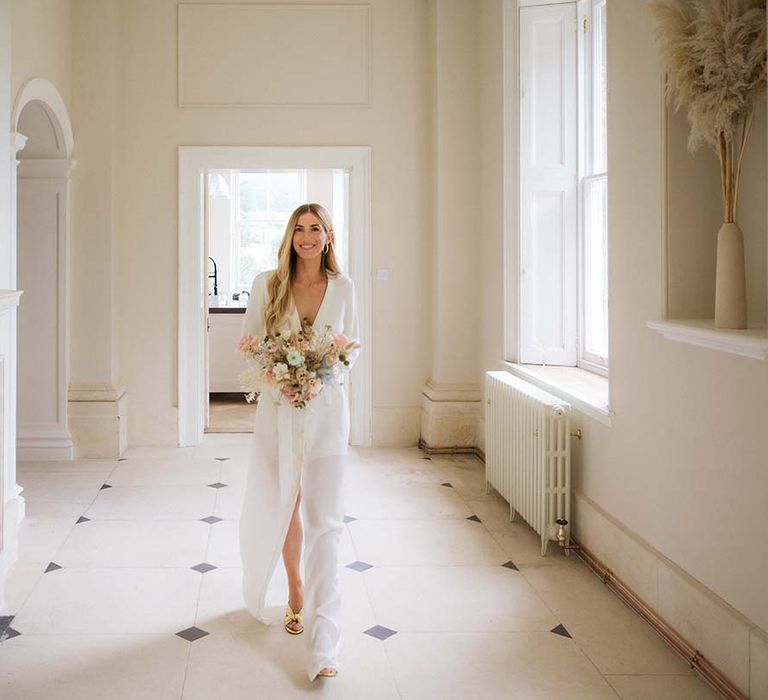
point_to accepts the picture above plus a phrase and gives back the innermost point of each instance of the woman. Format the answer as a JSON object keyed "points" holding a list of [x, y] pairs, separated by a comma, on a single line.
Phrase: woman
{"points": [[297, 468]]}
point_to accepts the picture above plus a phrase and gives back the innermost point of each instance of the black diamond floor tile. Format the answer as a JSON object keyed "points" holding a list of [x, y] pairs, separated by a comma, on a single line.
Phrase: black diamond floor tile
{"points": [[122, 459], [475, 518], [9, 633], [349, 518], [82, 519], [448, 484], [217, 485], [221, 459], [211, 519], [203, 567], [5, 621], [51, 567], [380, 632], [359, 566], [192, 633], [105, 486], [560, 629], [510, 565]]}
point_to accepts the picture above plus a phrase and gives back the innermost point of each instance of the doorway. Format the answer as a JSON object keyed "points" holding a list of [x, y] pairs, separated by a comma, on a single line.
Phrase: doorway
{"points": [[234, 204], [246, 212]]}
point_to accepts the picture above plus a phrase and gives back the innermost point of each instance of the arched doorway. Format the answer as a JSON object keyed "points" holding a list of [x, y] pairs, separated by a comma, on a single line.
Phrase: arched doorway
{"points": [[41, 192]]}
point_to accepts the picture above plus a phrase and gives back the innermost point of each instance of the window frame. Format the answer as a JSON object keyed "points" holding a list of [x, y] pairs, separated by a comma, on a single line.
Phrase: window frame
{"points": [[588, 99], [235, 222], [514, 336]]}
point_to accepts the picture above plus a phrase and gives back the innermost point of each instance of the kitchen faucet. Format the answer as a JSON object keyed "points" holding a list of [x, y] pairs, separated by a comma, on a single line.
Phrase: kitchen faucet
{"points": [[215, 276]]}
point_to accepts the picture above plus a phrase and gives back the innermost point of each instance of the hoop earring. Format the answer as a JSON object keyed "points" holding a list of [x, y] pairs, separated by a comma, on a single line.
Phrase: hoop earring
{"points": [[325, 248]]}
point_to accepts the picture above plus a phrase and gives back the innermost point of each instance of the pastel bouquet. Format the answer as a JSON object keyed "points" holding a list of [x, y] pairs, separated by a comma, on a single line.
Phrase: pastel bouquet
{"points": [[297, 363]]}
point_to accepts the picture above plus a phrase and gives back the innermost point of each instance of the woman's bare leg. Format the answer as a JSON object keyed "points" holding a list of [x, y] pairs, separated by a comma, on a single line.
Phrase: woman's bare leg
{"points": [[292, 559]]}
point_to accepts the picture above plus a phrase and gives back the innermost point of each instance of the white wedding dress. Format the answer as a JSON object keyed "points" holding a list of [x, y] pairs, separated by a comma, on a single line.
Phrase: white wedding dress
{"points": [[292, 448]]}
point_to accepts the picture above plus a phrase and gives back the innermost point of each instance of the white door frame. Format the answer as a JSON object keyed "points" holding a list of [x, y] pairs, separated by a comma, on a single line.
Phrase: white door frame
{"points": [[194, 161]]}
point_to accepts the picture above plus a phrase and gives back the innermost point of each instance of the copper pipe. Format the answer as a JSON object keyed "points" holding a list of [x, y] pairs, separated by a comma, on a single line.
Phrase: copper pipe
{"points": [[693, 656]]}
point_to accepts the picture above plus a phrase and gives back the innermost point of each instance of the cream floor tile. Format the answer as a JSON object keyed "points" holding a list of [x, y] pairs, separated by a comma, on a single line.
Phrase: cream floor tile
{"points": [[468, 480], [272, 665], [19, 582], [397, 501], [523, 545], [405, 474], [87, 667], [190, 473], [389, 455], [221, 607], [124, 543], [53, 509], [488, 665], [456, 599], [72, 601], [153, 502], [102, 466], [612, 635], [41, 538], [494, 512], [224, 544], [661, 688], [440, 541], [61, 486], [229, 501], [234, 472]]}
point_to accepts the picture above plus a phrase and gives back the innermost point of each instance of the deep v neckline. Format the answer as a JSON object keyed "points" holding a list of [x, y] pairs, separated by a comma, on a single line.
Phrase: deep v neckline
{"points": [[328, 280]]}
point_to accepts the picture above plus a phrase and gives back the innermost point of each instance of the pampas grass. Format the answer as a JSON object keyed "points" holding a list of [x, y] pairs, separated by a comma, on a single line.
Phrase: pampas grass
{"points": [[714, 52]]}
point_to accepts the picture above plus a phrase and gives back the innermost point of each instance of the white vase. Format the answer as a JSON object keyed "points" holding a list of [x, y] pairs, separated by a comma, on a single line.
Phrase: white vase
{"points": [[730, 281]]}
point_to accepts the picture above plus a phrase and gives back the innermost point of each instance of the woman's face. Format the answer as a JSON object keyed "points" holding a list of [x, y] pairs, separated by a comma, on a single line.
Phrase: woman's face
{"points": [[309, 236]]}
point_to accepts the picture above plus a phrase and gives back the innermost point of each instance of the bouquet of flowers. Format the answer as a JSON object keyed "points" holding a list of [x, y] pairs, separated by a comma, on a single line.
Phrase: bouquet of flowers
{"points": [[298, 363]]}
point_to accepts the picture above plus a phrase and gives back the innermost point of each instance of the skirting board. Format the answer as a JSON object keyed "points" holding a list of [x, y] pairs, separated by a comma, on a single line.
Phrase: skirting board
{"points": [[44, 449]]}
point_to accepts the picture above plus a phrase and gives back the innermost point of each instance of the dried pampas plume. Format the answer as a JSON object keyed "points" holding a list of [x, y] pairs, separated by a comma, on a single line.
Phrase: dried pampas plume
{"points": [[714, 52]]}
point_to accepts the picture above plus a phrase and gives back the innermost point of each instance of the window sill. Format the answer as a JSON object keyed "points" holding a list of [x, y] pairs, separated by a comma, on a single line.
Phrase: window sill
{"points": [[586, 391], [752, 342]]}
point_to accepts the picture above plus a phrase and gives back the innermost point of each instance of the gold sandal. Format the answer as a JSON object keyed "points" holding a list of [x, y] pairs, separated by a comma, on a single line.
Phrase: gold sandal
{"points": [[291, 616], [328, 674]]}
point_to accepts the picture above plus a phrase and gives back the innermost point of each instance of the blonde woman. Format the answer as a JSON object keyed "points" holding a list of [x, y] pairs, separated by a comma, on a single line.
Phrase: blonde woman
{"points": [[296, 473]]}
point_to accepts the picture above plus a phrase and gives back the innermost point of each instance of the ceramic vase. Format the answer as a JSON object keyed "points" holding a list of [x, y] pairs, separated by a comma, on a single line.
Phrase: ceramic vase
{"points": [[730, 282]]}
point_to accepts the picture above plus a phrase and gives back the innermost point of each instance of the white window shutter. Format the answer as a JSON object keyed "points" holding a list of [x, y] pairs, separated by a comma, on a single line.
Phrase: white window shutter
{"points": [[548, 185]]}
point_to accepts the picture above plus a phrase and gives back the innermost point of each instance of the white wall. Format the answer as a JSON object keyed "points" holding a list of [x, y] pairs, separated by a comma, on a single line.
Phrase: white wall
{"points": [[149, 128], [42, 43]]}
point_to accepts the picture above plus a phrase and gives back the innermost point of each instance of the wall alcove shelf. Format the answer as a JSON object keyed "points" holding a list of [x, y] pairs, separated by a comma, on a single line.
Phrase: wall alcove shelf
{"points": [[752, 342]]}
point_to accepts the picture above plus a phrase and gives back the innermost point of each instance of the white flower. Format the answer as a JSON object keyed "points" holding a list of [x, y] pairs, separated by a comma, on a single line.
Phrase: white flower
{"points": [[285, 335], [280, 370], [295, 358]]}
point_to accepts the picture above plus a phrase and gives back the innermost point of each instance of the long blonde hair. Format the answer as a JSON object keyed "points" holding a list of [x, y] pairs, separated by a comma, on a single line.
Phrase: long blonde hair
{"points": [[279, 294]]}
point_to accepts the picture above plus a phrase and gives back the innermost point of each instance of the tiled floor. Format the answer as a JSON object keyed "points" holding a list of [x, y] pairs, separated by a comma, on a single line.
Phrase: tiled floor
{"points": [[128, 587]]}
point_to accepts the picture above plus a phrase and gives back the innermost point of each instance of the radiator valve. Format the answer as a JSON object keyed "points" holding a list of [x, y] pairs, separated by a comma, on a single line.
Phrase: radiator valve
{"points": [[561, 523]]}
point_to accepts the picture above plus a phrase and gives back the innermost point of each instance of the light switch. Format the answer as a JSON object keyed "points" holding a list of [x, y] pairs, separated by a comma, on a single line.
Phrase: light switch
{"points": [[382, 273]]}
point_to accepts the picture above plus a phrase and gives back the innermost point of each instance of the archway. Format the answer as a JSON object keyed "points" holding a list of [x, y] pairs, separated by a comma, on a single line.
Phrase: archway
{"points": [[40, 192]]}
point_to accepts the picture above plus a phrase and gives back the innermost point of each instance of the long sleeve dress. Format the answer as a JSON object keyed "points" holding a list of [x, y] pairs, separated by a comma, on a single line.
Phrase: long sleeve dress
{"points": [[304, 448]]}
